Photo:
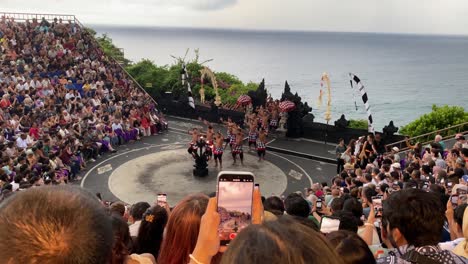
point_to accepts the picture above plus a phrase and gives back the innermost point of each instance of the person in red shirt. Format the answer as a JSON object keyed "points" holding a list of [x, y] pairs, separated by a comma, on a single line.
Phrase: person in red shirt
{"points": [[5, 102], [34, 131], [145, 124]]}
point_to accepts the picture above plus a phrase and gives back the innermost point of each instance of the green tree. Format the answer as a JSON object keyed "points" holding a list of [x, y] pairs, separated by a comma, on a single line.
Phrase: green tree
{"points": [[160, 79], [227, 78], [440, 118], [358, 124]]}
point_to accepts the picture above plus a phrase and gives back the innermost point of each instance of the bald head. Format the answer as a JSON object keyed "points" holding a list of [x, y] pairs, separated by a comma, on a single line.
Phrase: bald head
{"points": [[54, 225]]}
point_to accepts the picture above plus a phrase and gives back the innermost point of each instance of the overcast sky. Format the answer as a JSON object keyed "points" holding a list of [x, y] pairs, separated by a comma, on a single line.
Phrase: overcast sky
{"points": [[405, 16]]}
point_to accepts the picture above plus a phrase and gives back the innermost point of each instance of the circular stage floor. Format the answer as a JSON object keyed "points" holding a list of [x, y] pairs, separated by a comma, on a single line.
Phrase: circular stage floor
{"points": [[170, 172], [161, 164]]}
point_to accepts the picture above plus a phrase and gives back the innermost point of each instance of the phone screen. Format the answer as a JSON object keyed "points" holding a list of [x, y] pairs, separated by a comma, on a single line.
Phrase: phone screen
{"points": [[377, 204], [318, 205], [329, 225], [454, 200], [162, 199], [235, 193]]}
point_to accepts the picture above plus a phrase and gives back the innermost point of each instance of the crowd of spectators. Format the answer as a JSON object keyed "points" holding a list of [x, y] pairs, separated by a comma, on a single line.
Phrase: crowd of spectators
{"points": [[63, 103], [416, 220]]}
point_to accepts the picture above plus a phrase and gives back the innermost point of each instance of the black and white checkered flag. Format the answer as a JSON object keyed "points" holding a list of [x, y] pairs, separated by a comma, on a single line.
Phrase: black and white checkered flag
{"points": [[185, 79], [365, 99]]}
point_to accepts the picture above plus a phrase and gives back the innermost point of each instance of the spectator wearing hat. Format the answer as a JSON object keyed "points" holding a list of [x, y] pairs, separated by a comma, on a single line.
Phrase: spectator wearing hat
{"points": [[396, 156]]}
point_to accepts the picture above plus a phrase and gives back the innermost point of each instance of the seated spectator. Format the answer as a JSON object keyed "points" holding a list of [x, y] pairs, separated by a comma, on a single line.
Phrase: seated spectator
{"points": [[118, 208], [347, 221], [136, 215], [272, 242], [295, 205], [122, 245], [150, 233], [455, 222], [350, 247], [274, 205], [276, 242], [182, 230], [412, 222], [73, 228], [353, 206]]}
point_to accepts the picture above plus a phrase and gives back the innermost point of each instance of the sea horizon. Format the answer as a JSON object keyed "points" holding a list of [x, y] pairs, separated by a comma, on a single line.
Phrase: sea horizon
{"points": [[404, 74], [257, 30]]}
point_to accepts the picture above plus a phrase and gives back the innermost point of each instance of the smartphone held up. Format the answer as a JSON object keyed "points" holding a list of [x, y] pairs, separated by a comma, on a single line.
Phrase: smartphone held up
{"points": [[377, 204], [235, 195]]}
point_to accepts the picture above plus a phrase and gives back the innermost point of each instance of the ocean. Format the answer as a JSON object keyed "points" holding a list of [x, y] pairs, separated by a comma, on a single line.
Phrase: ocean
{"points": [[403, 74]]}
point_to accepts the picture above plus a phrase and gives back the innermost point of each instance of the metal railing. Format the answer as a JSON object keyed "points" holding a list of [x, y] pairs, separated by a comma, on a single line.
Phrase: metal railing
{"points": [[23, 17], [428, 138]]}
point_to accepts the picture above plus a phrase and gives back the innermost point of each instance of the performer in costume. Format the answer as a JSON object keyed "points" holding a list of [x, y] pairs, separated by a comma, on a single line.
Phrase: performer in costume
{"points": [[193, 143], [252, 135], [209, 139], [232, 137], [261, 145], [230, 131], [218, 149], [237, 147], [274, 119]]}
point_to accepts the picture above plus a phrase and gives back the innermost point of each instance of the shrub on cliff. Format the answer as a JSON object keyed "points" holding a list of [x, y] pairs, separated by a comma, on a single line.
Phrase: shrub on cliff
{"points": [[440, 118], [358, 124]]}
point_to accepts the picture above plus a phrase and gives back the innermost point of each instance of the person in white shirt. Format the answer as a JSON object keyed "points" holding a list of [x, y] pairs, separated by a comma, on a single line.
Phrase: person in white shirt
{"points": [[45, 83], [22, 142], [22, 86], [15, 184], [455, 220], [69, 95], [136, 214], [116, 125]]}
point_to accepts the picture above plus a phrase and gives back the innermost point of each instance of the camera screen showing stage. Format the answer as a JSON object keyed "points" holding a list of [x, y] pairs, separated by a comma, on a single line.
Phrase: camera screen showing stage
{"points": [[234, 206]]}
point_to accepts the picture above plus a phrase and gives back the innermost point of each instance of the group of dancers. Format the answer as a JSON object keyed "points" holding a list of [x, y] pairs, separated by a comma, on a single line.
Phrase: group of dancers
{"points": [[215, 143]]}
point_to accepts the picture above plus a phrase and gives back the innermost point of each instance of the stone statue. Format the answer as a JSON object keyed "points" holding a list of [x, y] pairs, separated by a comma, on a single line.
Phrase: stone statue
{"points": [[201, 155], [283, 121], [294, 123]]}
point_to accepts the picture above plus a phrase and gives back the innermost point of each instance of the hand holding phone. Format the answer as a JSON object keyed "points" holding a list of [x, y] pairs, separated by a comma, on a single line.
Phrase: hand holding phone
{"points": [[208, 240], [235, 195]]}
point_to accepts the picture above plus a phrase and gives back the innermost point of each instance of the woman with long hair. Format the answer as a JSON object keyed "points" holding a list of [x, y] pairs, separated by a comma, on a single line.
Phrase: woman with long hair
{"points": [[150, 233], [122, 240], [123, 244], [350, 247], [182, 230], [275, 242]]}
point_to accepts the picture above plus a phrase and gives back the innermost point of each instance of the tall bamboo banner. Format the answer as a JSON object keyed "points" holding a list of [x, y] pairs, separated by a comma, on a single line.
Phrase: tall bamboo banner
{"points": [[326, 80], [207, 72]]}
